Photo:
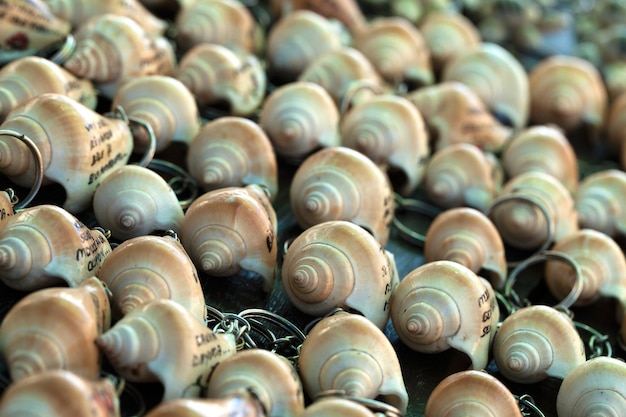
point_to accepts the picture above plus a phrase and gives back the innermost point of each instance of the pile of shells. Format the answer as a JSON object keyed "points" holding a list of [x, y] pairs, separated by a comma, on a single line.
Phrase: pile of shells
{"points": [[348, 199]]}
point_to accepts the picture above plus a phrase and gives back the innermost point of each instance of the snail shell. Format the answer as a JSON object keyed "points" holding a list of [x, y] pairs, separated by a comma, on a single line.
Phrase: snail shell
{"points": [[616, 126], [7, 206], [348, 352], [236, 405], [79, 147], [337, 264], [471, 393], [537, 342], [55, 328], [594, 388], [161, 341], [397, 50], [467, 236], [47, 246], [390, 131], [148, 267], [134, 201], [340, 183], [232, 229], [456, 114], [165, 104], [542, 148], [336, 407], [524, 225], [232, 151], [297, 39], [27, 77], [567, 91], [497, 77], [443, 304], [446, 181], [247, 371], [59, 393], [597, 202], [602, 265], [214, 73], [299, 118]]}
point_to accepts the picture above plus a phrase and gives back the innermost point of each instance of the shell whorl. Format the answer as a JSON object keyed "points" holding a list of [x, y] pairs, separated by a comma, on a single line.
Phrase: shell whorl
{"points": [[597, 204], [23, 250]]}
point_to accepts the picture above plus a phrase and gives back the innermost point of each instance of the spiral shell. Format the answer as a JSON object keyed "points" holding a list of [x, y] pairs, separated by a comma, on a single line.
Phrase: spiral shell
{"points": [[471, 393], [537, 342], [213, 73], [165, 104], [397, 50], [7, 206], [27, 77], [133, 201], [232, 229], [247, 371], [297, 39], [160, 341], [337, 264], [542, 148], [446, 181], [455, 114], [60, 393], [467, 236], [593, 388], [47, 246], [299, 118], [232, 151], [340, 183], [236, 405], [597, 202], [443, 304], [348, 352], [55, 328], [336, 407], [567, 91], [390, 131]]}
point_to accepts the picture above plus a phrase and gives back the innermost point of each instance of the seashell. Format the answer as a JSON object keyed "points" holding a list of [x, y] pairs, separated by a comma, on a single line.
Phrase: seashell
{"points": [[299, 118], [58, 393], [602, 264], [79, 147], [165, 104], [45, 246], [347, 352], [593, 389], [597, 202], [55, 328], [236, 405], [533, 209], [232, 229], [471, 393], [336, 407], [455, 114], [542, 148], [397, 50], [148, 267], [535, 343], [447, 35], [133, 201], [443, 304], [340, 183], [247, 371], [567, 91], [232, 151], [615, 126], [337, 264], [336, 71], [161, 341], [214, 74], [7, 206], [390, 131], [497, 77], [467, 236], [223, 22], [27, 77], [78, 11], [446, 181], [296, 39], [28, 28]]}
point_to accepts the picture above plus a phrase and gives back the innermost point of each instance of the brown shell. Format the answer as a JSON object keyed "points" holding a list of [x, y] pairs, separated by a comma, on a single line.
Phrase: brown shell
{"points": [[239, 405], [598, 202]]}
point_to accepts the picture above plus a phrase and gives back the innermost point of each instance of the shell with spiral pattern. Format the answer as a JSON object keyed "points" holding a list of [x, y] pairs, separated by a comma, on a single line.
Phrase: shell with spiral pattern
{"points": [[597, 202]]}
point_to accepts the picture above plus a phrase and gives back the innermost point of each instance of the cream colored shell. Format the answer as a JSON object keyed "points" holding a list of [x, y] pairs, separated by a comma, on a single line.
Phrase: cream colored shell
{"points": [[597, 202], [239, 405], [336, 407]]}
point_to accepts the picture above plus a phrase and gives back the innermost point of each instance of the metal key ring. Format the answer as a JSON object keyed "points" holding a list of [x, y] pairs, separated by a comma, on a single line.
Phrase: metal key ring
{"points": [[180, 181], [38, 165], [414, 206]]}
